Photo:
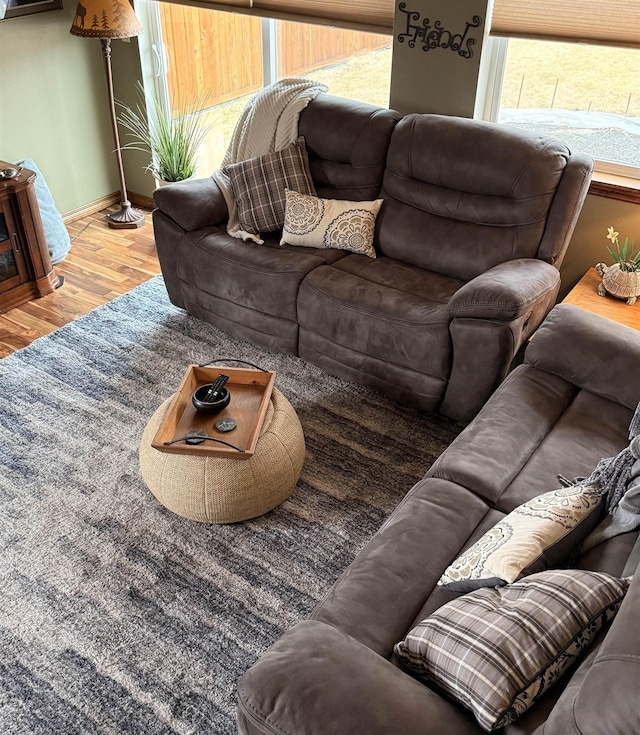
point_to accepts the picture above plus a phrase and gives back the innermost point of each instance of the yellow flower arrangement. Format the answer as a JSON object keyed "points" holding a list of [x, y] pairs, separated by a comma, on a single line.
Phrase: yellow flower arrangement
{"points": [[627, 259]]}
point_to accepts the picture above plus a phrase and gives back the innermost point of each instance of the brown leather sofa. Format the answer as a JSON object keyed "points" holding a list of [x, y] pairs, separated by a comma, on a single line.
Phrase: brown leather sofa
{"points": [[475, 222], [566, 407]]}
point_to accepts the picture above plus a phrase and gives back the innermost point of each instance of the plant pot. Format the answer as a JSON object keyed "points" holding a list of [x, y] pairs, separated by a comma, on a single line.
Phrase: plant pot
{"points": [[160, 182], [621, 284]]}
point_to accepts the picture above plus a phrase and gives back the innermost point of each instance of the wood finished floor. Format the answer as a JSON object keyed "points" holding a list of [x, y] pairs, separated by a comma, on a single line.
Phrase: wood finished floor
{"points": [[102, 264]]}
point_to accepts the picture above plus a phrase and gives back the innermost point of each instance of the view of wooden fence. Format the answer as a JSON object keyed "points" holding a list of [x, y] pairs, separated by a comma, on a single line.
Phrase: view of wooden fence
{"points": [[219, 55], [304, 47], [210, 53]]}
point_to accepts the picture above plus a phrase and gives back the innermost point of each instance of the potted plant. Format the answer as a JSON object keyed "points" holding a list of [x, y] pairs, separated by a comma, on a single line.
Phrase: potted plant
{"points": [[172, 142], [622, 279]]}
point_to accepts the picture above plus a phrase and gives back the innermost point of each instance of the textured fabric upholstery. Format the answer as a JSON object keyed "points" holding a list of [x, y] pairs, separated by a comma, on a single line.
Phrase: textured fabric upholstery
{"points": [[249, 290], [248, 284], [464, 202], [337, 672], [576, 360], [462, 196], [192, 204], [473, 227], [347, 145], [333, 685], [376, 308]]}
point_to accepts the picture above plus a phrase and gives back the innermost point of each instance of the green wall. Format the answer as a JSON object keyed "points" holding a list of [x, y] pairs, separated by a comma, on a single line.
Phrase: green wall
{"points": [[589, 240], [126, 72], [53, 106]]}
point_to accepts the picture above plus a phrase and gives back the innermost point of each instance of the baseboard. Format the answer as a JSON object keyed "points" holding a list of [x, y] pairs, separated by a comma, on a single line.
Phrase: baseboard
{"points": [[91, 207], [138, 200], [106, 201]]}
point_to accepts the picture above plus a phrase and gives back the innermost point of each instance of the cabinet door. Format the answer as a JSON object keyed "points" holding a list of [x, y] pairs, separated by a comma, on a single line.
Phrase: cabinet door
{"points": [[13, 269]]}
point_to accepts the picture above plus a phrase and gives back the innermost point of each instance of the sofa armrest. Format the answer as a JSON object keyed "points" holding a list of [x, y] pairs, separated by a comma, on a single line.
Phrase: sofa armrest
{"points": [[506, 291], [493, 316], [316, 680], [587, 350], [192, 204], [604, 699]]}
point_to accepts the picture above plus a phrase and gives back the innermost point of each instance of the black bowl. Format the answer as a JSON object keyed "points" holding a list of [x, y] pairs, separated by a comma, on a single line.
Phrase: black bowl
{"points": [[206, 407]]}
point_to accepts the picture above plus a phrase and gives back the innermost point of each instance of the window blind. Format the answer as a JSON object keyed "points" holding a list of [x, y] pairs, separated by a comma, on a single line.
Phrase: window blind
{"points": [[374, 16], [608, 22]]}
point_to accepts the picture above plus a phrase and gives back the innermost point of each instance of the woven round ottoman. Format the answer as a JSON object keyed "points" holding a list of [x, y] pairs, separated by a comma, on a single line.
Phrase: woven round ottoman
{"points": [[221, 490]]}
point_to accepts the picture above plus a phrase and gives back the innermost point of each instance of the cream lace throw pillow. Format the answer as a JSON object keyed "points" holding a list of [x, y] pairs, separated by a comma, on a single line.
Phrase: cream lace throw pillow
{"points": [[536, 535], [330, 223]]}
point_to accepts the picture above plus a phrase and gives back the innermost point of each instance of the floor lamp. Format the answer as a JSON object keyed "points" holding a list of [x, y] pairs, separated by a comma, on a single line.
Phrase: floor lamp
{"points": [[107, 19]]}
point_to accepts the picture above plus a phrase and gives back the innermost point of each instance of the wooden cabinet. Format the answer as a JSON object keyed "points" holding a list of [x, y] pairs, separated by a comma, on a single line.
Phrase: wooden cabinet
{"points": [[25, 266]]}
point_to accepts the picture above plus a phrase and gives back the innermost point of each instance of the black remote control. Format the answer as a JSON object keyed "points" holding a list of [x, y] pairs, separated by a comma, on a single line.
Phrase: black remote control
{"points": [[213, 394]]}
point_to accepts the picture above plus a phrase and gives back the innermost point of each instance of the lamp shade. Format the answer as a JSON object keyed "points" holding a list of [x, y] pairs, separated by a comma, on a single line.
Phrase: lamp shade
{"points": [[105, 19]]}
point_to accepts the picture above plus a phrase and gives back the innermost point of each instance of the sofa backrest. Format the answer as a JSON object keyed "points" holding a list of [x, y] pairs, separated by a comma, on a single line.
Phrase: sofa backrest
{"points": [[347, 143], [462, 195]]}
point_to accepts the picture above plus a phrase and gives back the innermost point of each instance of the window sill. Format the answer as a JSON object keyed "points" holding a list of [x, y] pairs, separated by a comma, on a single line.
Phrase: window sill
{"points": [[612, 186]]}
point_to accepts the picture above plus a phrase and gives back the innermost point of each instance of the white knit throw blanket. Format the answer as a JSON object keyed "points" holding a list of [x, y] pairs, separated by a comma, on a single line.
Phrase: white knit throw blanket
{"points": [[268, 123]]}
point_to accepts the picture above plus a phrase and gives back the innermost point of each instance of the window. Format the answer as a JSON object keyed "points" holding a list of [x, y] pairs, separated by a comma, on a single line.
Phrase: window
{"points": [[230, 56], [586, 95]]}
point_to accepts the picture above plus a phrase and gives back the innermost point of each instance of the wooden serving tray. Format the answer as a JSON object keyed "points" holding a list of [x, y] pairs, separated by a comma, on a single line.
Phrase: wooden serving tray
{"points": [[250, 393]]}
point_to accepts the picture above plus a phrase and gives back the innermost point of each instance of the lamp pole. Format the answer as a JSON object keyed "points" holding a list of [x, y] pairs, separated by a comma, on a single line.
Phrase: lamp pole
{"points": [[107, 19], [126, 216]]}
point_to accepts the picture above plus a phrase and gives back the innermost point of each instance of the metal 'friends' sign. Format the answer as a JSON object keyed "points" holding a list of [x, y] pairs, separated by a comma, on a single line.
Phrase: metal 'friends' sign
{"points": [[434, 35]]}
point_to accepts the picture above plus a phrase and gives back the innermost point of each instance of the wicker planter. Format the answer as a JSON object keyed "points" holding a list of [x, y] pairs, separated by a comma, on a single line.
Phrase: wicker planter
{"points": [[621, 284]]}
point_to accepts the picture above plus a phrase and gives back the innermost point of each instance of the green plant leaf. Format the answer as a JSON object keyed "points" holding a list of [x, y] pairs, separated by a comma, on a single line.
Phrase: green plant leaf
{"points": [[172, 142]]}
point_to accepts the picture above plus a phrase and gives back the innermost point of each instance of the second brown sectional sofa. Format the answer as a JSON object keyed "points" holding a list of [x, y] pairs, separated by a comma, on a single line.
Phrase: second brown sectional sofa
{"points": [[569, 405]]}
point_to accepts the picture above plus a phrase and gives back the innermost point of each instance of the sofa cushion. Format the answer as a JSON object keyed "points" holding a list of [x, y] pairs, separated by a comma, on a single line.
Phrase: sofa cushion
{"points": [[536, 426], [381, 309], [259, 186], [330, 223], [537, 535], [379, 596], [462, 196], [564, 346], [496, 651], [263, 278], [318, 681], [347, 143]]}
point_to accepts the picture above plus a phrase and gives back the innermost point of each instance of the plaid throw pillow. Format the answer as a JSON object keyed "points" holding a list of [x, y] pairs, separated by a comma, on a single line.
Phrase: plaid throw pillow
{"points": [[259, 186], [496, 651]]}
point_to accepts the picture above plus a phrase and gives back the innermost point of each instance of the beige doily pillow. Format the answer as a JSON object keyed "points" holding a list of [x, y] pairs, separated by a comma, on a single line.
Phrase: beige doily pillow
{"points": [[330, 223]]}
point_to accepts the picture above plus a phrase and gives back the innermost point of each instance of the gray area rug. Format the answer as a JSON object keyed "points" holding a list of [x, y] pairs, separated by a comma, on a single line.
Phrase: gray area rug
{"points": [[117, 616]]}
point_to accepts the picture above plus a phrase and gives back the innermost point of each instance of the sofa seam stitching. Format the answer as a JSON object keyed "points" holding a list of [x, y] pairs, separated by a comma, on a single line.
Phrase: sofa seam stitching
{"points": [[398, 364], [470, 193], [257, 713], [446, 216], [359, 133], [255, 329], [504, 304], [554, 256]]}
